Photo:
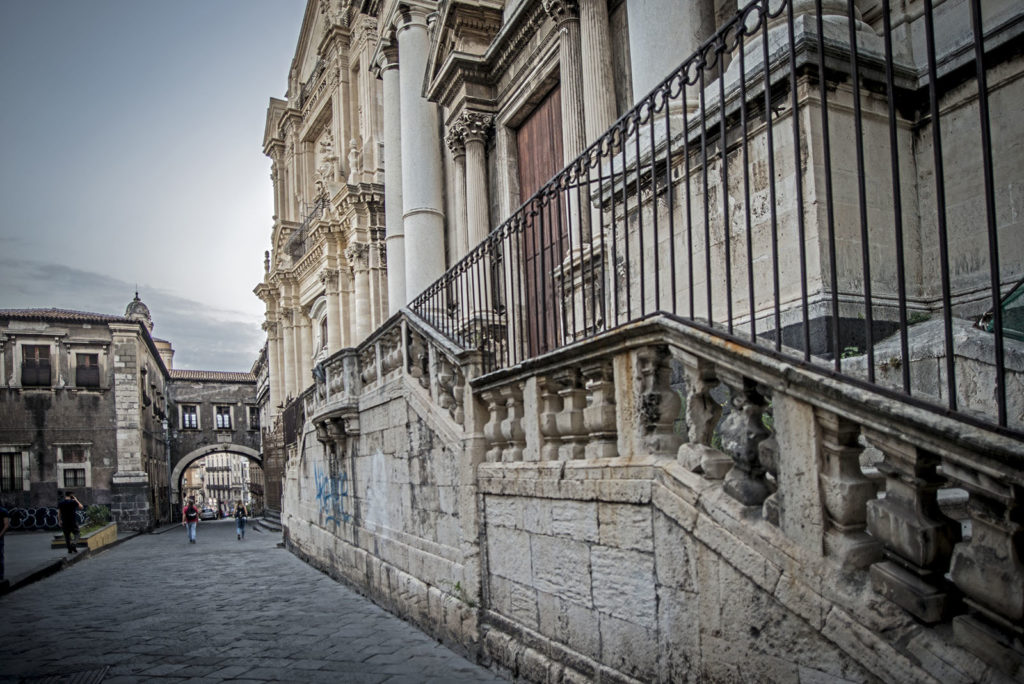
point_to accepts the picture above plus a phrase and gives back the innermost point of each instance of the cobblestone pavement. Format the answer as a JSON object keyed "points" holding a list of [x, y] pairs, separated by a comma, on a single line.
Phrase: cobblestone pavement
{"points": [[157, 608]]}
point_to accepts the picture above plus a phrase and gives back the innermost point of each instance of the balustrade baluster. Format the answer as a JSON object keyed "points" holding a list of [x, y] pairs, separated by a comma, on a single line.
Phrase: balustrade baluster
{"points": [[702, 415], [917, 536], [845, 492], [989, 569], [599, 415], [551, 406], [493, 436], [570, 424], [512, 425], [742, 434], [659, 404]]}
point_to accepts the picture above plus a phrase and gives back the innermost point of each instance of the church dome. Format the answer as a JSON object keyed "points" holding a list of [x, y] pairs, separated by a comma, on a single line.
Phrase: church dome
{"points": [[137, 311]]}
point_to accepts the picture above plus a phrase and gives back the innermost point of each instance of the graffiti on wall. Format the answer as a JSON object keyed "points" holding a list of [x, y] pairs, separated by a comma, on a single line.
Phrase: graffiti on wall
{"points": [[42, 518], [331, 496]]}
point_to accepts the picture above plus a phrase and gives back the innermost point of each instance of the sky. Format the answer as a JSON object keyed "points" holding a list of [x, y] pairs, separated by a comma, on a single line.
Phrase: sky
{"points": [[132, 159]]}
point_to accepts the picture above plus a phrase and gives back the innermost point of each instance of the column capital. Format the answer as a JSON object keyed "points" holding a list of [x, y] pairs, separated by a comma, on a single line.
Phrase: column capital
{"points": [[411, 15], [456, 138], [476, 126], [358, 255], [562, 11], [329, 277], [387, 57]]}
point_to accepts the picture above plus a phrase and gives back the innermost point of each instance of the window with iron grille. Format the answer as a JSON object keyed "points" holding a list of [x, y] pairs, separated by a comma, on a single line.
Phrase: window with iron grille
{"points": [[254, 418], [87, 370], [35, 365], [10, 472], [190, 417], [223, 418], [74, 477]]}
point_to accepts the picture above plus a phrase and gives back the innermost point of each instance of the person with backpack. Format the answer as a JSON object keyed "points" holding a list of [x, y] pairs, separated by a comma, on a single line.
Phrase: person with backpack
{"points": [[241, 513], [190, 518], [67, 516]]}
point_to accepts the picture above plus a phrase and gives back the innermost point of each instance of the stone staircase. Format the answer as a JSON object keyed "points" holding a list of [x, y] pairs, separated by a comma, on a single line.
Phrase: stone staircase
{"points": [[271, 520]]}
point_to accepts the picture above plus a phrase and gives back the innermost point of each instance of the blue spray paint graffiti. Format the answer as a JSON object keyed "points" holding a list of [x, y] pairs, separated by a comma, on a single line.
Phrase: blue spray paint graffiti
{"points": [[331, 493]]}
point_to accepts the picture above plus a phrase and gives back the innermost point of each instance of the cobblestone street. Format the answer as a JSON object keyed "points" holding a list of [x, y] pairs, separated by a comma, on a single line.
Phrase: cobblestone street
{"points": [[158, 608]]}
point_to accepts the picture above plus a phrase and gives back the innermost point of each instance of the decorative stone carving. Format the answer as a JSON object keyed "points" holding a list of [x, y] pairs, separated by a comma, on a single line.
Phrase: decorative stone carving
{"points": [[845, 492], [456, 139], [562, 10], [449, 387], [599, 415], [418, 359], [658, 405], [368, 364], [551, 406], [475, 126], [391, 350], [918, 537], [742, 434], [355, 162], [357, 254], [702, 415]]}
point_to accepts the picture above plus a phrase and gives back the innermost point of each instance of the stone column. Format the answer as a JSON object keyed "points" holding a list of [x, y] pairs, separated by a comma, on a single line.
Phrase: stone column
{"points": [[456, 141], [288, 353], [395, 231], [305, 351], [422, 196], [663, 33], [330, 280], [296, 352], [477, 128], [598, 83], [273, 370], [358, 256], [566, 15]]}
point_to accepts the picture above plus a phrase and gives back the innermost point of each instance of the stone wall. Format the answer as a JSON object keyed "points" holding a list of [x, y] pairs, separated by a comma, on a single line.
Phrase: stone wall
{"points": [[600, 516]]}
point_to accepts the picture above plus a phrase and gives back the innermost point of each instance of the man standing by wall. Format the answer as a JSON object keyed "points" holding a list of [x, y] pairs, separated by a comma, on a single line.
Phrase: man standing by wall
{"points": [[66, 516]]}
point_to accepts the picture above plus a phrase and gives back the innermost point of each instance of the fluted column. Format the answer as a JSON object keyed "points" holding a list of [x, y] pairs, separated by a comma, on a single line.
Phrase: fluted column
{"points": [[477, 126], [273, 370], [598, 83], [570, 60], [456, 141], [330, 280], [305, 350], [395, 230], [288, 351], [422, 197], [357, 255]]}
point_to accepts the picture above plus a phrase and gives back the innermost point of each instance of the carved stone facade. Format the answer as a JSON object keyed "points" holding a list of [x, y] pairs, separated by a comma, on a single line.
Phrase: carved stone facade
{"points": [[542, 457]]}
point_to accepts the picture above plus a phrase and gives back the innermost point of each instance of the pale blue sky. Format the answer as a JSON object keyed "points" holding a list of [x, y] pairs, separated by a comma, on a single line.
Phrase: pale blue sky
{"points": [[132, 154]]}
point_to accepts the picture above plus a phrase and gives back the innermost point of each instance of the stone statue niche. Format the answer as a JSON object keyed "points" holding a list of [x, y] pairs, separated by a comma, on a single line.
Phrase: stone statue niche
{"points": [[326, 163]]}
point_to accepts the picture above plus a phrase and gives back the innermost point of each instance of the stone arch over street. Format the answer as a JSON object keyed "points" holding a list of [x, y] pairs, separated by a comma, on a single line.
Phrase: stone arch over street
{"points": [[183, 462]]}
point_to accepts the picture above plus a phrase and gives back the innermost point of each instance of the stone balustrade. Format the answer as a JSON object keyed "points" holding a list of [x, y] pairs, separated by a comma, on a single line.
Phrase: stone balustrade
{"points": [[797, 450]]}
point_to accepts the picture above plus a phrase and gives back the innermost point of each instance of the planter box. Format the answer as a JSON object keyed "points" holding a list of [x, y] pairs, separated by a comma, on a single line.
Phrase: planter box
{"points": [[93, 540]]}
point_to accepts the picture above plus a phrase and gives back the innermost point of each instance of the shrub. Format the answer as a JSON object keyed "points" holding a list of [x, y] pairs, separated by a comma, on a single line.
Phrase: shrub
{"points": [[98, 515]]}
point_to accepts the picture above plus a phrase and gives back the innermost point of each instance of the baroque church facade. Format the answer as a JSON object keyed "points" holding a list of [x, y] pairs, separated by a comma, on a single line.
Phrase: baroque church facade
{"points": [[648, 340]]}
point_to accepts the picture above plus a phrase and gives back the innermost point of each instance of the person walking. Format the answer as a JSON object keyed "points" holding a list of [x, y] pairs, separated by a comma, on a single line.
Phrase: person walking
{"points": [[241, 513], [190, 518], [67, 516]]}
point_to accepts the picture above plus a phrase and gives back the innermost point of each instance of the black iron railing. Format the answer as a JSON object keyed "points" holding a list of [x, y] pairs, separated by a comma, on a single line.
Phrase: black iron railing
{"points": [[298, 242], [860, 237]]}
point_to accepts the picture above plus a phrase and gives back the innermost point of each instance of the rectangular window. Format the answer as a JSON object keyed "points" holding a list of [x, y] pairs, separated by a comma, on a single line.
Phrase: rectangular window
{"points": [[189, 418], [323, 333], [74, 477], [87, 370], [223, 418], [35, 365], [10, 472], [254, 418]]}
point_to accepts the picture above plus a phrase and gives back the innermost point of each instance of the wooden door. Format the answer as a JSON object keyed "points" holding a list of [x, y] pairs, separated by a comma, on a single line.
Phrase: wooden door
{"points": [[539, 144]]}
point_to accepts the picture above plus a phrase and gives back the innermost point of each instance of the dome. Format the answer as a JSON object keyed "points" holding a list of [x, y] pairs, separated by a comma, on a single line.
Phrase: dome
{"points": [[137, 311]]}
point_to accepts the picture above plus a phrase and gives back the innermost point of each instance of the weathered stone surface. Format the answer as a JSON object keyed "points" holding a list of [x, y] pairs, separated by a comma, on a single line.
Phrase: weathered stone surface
{"points": [[570, 623], [623, 584], [561, 567], [509, 555], [627, 527]]}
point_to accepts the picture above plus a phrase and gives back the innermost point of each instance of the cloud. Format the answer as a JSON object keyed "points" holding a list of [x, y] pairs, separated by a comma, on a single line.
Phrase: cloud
{"points": [[203, 336]]}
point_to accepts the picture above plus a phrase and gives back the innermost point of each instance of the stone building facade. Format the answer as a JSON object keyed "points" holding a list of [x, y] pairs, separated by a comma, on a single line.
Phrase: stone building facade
{"points": [[632, 416], [84, 400]]}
